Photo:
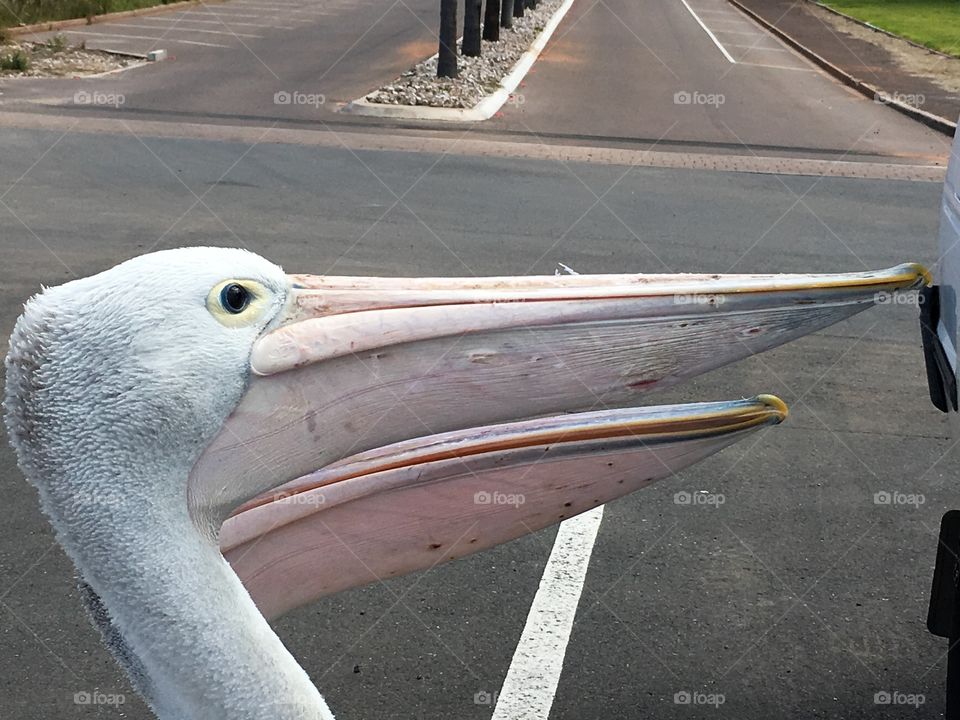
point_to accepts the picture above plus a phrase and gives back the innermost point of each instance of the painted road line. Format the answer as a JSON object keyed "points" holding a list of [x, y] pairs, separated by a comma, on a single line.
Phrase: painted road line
{"points": [[206, 13], [228, 19], [739, 22], [777, 67], [737, 32], [118, 36], [280, 9], [531, 683], [759, 47], [181, 29], [709, 32], [177, 22]]}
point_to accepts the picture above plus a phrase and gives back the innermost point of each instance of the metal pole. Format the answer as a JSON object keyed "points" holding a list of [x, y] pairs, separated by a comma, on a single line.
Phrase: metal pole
{"points": [[471, 28], [447, 58]]}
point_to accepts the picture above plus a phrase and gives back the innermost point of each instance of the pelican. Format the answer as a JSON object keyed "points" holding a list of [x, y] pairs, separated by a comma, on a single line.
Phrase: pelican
{"points": [[217, 442]]}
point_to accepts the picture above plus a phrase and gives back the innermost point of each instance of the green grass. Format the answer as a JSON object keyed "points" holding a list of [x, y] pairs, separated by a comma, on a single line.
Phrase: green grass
{"points": [[934, 23], [28, 12]]}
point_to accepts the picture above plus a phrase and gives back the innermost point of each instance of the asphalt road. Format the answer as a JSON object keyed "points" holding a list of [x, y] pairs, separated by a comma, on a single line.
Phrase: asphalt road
{"points": [[799, 597], [649, 69], [641, 71]]}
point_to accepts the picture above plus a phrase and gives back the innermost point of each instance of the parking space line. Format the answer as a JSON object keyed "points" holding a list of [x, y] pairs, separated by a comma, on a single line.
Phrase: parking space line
{"points": [[709, 32], [179, 22], [759, 47], [228, 18], [531, 682], [735, 21], [280, 8], [181, 29], [217, 14], [778, 67], [145, 37]]}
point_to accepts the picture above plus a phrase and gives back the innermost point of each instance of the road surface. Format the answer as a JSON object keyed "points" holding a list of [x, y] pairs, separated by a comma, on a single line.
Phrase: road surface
{"points": [[798, 596]]}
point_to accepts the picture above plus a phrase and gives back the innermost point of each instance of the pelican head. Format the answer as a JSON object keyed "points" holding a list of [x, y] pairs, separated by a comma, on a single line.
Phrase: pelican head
{"points": [[216, 442], [147, 359]]}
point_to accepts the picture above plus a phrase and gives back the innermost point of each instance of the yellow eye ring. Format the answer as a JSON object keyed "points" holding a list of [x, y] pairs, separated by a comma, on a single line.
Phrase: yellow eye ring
{"points": [[237, 302]]}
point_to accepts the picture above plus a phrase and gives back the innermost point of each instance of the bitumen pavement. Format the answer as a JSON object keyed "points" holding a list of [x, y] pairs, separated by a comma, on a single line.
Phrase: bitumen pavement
{"points": [[253, 61], [859, 58], [642, 73], [698, 70], [799, 596]]}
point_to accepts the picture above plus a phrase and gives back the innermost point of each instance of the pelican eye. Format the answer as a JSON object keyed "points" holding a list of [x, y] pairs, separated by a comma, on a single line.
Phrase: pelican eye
{"points": [[234, 298], [240, 302]]}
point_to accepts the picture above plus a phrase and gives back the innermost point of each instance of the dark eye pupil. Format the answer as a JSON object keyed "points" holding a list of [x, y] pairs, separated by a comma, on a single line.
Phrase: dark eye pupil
{"points": [[234, 298]]}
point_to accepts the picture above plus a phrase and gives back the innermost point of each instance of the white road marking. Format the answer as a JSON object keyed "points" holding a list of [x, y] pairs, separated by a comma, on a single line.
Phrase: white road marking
{"points": [[178, 22], [759, 47], [145, 37], [739, 22], [531, 682], [218, 14], [279, 8], [228, 19], [709, 32], [777, 67], [181, 29], [737, 32]]}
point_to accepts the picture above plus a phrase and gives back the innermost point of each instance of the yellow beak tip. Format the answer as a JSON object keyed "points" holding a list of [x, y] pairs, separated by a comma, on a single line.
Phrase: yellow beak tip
{"points": [[778, 406]]}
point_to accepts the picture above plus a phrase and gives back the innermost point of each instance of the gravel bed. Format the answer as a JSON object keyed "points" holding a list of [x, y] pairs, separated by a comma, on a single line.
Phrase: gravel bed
{"points": [[479, 76], [57, 59]]}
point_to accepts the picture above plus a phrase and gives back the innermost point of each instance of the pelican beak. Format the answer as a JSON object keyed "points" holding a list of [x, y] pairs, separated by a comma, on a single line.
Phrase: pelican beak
{"points": [[360, 363], [416, 504]]}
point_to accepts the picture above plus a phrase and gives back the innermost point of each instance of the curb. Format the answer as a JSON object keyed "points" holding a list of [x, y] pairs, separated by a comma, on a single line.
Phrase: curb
{"points": [[51, 25], [483, 110], [927, 118]]}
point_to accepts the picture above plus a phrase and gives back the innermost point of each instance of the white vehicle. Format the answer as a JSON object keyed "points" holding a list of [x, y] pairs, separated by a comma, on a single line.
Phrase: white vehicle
{"points": [[939, 318]]}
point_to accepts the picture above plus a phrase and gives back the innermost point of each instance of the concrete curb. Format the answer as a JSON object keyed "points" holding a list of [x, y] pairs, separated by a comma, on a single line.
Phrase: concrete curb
{"points": [[484, 109], [75, 22], [927, 118]]}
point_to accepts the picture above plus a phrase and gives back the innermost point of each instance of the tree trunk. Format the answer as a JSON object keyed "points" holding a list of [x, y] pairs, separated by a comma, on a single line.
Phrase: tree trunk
{"points": [[447, 60], [518, 8], [506, 13], [532, 4], [471, 28], [491, 20]]}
